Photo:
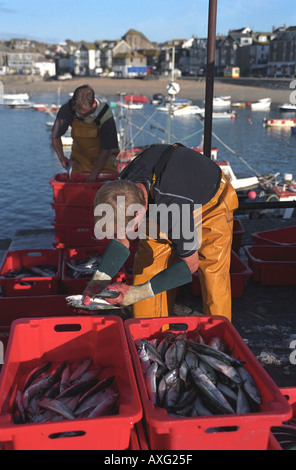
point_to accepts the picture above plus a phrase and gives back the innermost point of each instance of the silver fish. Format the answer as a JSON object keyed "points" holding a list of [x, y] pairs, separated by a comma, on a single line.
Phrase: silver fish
{"points": [[80, 369], [208, 389], [96, 304], [105, 406], [249, 385], [220, 366], [35, 373], [150, 379], [171, 357], [242, 406], [57, 407]]}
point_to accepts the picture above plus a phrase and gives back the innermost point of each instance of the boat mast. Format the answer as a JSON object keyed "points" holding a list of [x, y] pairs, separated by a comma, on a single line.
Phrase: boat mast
{"points": [[210, 74]]}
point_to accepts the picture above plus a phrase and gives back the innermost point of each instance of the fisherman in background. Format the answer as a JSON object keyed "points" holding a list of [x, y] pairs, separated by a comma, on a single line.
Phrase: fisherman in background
{"points": [[95, 144], [198, 233]]}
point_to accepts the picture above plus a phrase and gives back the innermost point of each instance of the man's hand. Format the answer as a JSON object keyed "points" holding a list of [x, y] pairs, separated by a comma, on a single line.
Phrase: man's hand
{"points": [[93, 288]]}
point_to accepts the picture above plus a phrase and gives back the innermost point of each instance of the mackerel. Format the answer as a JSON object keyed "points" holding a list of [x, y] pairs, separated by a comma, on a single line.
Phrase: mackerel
{"points": [[249, 385], [208, 389], [221, 356], [35, 373], [57, 407], [220, 366], [105, 406]]}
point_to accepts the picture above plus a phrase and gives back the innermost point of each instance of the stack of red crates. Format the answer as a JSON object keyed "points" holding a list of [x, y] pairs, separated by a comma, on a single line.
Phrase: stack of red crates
{"points": [[73, 203], [273, 258]]}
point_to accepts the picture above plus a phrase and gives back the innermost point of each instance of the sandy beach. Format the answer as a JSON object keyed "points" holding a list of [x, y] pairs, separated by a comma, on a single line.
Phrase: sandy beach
{"points": [[190, 88]]}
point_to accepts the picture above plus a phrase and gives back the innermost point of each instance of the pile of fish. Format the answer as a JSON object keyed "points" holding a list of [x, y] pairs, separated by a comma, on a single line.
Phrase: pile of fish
{"points": [[286, 434], [84, 267], [188, 377], [65, 391], [31, 271]]}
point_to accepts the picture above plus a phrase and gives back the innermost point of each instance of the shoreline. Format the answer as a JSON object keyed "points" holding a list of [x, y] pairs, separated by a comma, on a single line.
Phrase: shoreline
{"points": [[190, 88]]}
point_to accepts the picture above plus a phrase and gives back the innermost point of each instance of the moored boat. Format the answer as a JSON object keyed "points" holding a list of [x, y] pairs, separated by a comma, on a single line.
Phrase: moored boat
{"points": [[222, 114], [15, 96], [289, 107], [262, 104], [136, 99], [19, 104], [188, 110], [279, 122], [46, 107], [222, 102]]}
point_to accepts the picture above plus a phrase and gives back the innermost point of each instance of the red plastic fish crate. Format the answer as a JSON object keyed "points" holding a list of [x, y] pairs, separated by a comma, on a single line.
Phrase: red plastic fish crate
{"points": [[77, 286], [225, 432], [14, 308], [239, 273], [67, 214], [285, 236], [76, 191], [290, 394], [72, 235], [238, 232], [15, 260], [69, 339], [272, 265]]}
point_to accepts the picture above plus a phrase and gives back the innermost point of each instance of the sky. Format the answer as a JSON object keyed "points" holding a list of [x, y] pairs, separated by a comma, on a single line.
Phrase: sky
{"points": [[159, 20]]}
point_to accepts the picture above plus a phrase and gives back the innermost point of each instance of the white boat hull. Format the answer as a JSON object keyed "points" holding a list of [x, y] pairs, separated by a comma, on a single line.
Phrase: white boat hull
{"points": [[261, 104]]}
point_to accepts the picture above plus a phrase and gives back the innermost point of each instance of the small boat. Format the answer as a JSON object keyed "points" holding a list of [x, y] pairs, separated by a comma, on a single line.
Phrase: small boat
{"points": [[259, 105], [222, 102], [238, 104], [289, 107], [46, 107], [136, 99], [19, 104], [15, 96], [238, 183], [222, 115], [279, 122], [188, 110], [157, 98], [293, 130]]}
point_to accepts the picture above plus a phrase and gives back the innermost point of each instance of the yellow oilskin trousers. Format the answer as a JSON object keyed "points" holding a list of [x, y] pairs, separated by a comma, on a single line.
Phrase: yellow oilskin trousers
{"points": [[155, 255], [86, 148]]}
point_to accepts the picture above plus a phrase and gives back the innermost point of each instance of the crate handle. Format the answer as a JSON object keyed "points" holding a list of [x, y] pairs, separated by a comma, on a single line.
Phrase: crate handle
{"points": [[178, 326], [64, 327], [220, 429], [26, 285], [66, 434]]}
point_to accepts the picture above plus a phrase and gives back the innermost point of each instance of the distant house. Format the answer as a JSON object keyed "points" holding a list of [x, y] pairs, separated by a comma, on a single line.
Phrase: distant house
{"points": [[85, 60], [259, 54], [137, 40], [129, 65], [282, 53], [234, 51], [105, 49]]}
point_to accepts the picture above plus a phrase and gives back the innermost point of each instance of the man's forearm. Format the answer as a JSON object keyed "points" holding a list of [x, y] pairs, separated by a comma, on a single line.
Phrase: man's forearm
{"points": [[100, 163], [58, 146]]}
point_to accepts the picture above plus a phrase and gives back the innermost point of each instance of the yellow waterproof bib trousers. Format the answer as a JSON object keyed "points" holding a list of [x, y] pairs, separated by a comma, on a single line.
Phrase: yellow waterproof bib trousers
{"points": [[86, 148], [154, 255]]}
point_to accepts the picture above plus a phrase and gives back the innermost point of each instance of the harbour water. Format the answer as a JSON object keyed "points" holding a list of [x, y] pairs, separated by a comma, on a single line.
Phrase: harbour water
{"points": [[28, 161]]}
